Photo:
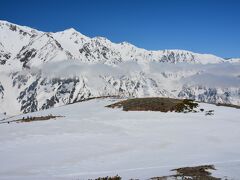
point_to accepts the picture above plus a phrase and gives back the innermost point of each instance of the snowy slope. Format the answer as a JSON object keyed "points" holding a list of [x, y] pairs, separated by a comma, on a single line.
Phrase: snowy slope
{"points": [[92, 141], [234, 60], [39, 70]]}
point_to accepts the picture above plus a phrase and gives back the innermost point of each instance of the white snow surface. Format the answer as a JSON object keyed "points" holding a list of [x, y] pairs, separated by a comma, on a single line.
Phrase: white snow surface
{"points": [[234, 60], [92, 141]]}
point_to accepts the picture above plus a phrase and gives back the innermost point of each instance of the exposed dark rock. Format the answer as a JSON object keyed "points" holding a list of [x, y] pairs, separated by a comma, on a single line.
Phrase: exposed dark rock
{"points": [[13, 27], [27, 98], [1, 91], [26, 56]]}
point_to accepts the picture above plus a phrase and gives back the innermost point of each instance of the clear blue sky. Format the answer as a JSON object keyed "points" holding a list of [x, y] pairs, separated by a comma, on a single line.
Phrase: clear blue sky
{"points": [[205, 26]]}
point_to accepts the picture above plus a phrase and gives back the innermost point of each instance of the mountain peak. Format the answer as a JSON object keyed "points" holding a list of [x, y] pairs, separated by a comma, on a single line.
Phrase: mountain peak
{"points": [[71, 30]]}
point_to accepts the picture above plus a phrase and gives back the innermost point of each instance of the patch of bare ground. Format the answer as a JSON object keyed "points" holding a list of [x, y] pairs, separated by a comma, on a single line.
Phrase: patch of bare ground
{"points": [[156, 104], [184, 173], [33, 118], [38, 118], [190, 173], [228, 105], [109, 178]]}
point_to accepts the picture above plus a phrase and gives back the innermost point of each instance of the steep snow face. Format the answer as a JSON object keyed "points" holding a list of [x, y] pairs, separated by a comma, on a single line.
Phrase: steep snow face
{"points": [[93, 141], [8, 95], [41, 50], [13, 38], [40, 70]]}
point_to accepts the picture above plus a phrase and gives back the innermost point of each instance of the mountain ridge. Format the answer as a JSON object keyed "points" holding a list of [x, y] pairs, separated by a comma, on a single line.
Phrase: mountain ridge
{"points": [[40, 70], [77, 46], [73, 30]]}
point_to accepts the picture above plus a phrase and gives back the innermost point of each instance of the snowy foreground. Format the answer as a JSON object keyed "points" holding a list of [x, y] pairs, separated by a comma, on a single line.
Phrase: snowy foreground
{"points": [[92, 141]]}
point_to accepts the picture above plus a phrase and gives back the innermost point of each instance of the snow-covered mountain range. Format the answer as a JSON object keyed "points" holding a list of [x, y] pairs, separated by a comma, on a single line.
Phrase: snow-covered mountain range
{"points": [[39, 70]]}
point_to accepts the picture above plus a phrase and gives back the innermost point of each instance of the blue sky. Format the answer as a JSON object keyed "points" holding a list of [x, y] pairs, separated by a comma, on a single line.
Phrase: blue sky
{"points": [[204, 26]]}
